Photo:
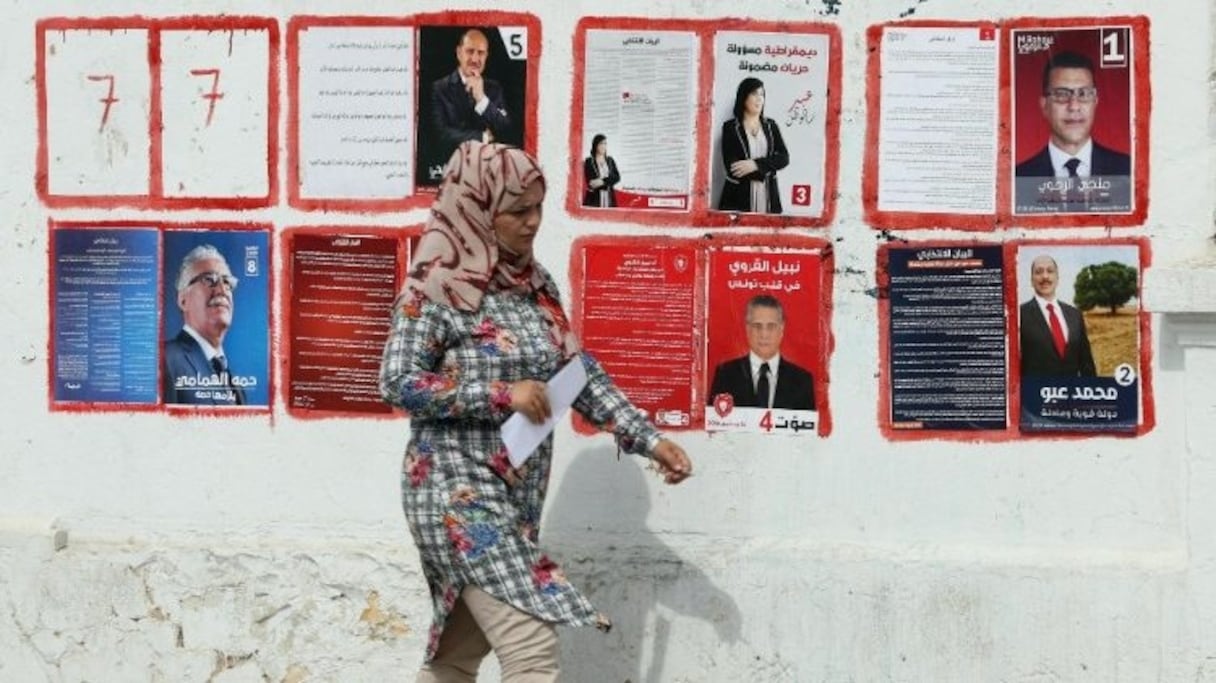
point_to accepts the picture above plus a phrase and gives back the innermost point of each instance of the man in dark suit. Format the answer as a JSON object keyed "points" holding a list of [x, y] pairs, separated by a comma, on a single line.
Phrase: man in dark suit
{"points": [[1052, 334], [195, 368], [762, 378], [1069, 101], [464, 104]]}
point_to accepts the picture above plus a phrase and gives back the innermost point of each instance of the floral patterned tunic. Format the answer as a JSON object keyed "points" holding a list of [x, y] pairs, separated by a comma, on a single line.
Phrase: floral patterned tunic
{"points": [[474, 517]]}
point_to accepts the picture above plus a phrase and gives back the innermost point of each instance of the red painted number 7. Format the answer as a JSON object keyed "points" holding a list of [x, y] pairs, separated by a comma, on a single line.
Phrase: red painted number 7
{"points": [[108, 100], [215, 94]]}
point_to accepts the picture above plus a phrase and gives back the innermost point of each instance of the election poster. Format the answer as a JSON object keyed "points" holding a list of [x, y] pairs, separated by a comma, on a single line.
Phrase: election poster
{"points": [[342, 287], [1079, 343], [1073, 111], [1029, 121], [764, 340], [768, 151], [104, 295], [946, 352], [215, 336], [730, 122], [684, 326], [637, 313], [472, 85], [639, 94]]}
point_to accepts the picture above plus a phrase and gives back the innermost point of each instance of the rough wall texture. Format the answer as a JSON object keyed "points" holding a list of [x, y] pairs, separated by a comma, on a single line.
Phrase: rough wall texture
{"points": [[146, 547]]}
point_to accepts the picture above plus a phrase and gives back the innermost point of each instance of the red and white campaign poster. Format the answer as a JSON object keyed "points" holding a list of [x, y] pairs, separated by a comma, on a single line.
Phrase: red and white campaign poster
{"points": [[342, 285], [764, 340], [684, 327], [638, 315], [1031, 121], [724, 122]]}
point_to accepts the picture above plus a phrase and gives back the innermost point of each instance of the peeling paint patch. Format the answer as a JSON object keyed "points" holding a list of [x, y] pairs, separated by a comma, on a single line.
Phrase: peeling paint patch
{"points": [[384, 625]]}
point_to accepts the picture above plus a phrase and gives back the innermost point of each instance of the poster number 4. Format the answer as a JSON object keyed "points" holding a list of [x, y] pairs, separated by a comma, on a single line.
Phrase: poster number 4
{"points": [[1114, 47]]}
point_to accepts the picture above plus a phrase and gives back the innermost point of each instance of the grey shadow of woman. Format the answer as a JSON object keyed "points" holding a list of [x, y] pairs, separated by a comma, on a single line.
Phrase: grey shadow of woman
{"points": [[596, 517]]}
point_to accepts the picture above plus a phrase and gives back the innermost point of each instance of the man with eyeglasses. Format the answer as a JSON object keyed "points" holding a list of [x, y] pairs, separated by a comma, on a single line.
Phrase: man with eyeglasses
{"points": [[762, 378], [1068, 101], [195, 368]]}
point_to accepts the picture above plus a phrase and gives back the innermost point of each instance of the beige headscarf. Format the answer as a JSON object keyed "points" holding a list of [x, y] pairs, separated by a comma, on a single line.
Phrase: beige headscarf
{"points": [[458, 258]]}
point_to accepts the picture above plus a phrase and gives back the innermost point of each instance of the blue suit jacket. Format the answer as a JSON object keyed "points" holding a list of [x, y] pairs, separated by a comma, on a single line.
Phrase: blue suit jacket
{"points": [[1105, 161], [184, 360], [795, 386]]}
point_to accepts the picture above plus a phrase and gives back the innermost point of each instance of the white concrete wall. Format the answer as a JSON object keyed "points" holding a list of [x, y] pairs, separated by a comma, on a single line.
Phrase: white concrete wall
{"points": [[141, 547]]}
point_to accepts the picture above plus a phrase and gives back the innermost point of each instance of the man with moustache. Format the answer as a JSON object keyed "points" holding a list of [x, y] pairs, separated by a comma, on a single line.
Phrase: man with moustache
{"points": [[1069, 101], [464, 104], [195, 369], [1052, 333]]}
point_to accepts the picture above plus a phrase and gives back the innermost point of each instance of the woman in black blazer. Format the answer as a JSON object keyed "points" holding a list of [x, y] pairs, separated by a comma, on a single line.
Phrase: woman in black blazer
{"points": [[600, 175], [753, 151]]}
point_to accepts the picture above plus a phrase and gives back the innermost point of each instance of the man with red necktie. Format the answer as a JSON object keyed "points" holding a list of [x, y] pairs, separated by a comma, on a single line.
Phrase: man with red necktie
{"points": [[1052, 336]]}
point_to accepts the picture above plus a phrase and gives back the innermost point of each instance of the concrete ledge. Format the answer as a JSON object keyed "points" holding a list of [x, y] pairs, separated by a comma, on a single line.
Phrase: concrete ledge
{"points": [[1182, 288]]}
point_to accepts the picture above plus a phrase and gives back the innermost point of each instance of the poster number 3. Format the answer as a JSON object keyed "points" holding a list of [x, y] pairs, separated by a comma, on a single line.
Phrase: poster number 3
{"points": [[1114, 47]]}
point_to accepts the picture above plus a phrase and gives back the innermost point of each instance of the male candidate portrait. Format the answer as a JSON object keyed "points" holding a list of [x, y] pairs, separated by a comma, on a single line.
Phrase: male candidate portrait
{"points": [[762, 378], [1052, 334], [195, 368], [1069, 102], [465, 105]]}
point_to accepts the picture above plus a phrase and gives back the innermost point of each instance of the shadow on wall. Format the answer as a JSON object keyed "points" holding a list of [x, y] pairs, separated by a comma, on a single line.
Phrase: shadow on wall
{"points": [[595, 525]]}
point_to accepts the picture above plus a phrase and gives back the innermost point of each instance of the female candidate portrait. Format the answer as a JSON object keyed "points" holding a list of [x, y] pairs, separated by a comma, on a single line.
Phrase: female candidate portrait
{"points": [[600, 175], [752, 151], [476, 331]]}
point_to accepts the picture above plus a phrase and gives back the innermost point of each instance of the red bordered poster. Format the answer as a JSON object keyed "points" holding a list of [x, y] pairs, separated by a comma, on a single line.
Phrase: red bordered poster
{"points": [[148, 316], [672, 322], [158, 113], [969, 349], [340, 284], [720, 123], [377, 105], [1039, 122]]}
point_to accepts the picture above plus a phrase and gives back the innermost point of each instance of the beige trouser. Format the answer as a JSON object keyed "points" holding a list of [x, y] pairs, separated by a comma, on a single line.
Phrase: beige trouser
{"points": [[526, 646]]}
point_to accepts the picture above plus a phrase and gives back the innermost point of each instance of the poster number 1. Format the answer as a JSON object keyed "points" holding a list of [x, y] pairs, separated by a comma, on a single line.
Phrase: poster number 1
{"points": [[1114, 47]]}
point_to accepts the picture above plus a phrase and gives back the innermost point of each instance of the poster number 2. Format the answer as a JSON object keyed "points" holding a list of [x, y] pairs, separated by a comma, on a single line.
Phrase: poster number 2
{"points": [[1114, 47]]}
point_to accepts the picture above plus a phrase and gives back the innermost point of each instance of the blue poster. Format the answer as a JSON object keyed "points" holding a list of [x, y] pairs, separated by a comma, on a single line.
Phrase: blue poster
{"points": [[1078, 337], [947, 338], [216, 334], [1084, 404], [104, 308]]}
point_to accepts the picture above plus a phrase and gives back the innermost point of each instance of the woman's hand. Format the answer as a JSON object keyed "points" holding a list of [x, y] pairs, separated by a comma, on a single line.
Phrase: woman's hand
{"points": [[596, 183], [743, 167], [530, 398], [672, 461]]}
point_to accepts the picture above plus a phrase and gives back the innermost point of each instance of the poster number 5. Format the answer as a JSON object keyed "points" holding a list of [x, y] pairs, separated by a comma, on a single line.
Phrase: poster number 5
{"points": [[516, 40]]}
